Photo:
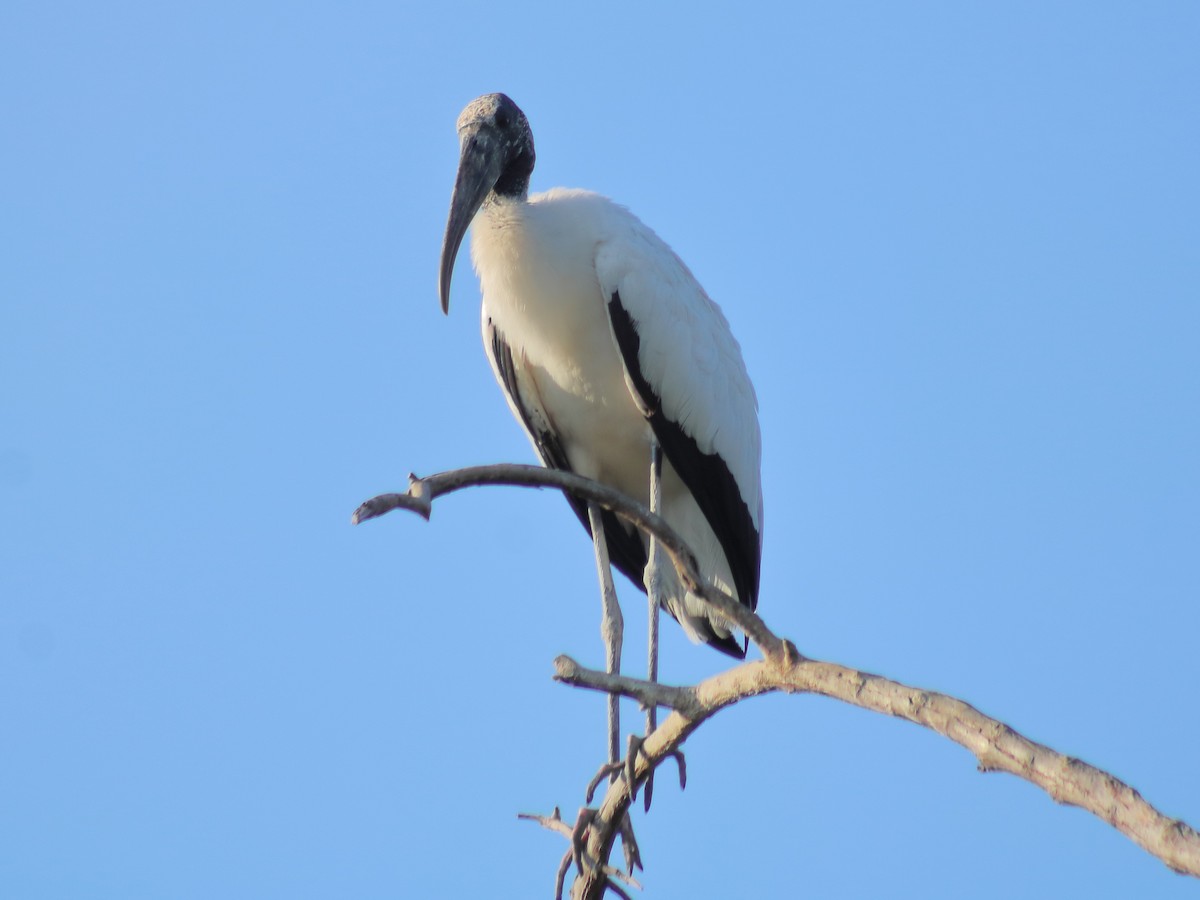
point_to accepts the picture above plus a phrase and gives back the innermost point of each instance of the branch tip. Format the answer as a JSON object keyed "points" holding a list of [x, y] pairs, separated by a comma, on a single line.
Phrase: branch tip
{"points": [[791, 656], [385, 503], [565, 668]]}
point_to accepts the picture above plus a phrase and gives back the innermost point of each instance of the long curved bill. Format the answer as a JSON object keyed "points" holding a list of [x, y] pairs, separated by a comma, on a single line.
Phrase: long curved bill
{"points": [[479, 166]]}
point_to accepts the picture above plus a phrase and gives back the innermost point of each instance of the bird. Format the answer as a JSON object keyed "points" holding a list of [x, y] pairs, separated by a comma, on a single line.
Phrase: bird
{"points": [[619, 367]]}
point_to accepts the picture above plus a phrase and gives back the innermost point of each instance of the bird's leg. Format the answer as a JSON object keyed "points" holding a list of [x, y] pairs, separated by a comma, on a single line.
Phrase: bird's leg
{"points": [[653, 579], [612, 629]]}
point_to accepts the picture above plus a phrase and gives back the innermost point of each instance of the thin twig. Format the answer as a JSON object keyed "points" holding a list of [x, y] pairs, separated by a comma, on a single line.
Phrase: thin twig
{"points": [[423, 491], [646, 693]]}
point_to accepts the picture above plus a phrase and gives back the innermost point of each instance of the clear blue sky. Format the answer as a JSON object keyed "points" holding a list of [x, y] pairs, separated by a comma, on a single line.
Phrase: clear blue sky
{"points": [[961, 250]]}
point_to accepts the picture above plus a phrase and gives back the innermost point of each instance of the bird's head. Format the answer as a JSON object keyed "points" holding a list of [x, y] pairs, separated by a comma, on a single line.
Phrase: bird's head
{"points": [[496, 157]]}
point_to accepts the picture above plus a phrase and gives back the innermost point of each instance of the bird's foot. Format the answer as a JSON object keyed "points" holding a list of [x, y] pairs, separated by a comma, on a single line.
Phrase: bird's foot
{"points": [[633, 856], [578, 854], [606, 771], [635, 748], [577, 837], [578, 850], [627, 768]]}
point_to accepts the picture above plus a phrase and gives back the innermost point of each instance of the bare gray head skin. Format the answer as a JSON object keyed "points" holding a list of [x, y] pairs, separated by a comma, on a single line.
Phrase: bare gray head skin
{"points": [[496, 159]]}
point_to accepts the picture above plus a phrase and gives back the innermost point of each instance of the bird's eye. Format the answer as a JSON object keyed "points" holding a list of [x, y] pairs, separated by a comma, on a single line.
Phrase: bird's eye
{"points": [[502, 120]]}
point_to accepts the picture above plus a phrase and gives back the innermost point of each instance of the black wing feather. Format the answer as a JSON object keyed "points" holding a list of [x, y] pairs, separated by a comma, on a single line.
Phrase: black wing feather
{"points": [[625, 548], [706, 474]]}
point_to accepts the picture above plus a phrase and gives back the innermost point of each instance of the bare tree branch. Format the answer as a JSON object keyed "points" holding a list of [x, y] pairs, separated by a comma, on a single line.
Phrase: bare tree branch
{"points": [[996, 746], [423, 491], [646, 693]]}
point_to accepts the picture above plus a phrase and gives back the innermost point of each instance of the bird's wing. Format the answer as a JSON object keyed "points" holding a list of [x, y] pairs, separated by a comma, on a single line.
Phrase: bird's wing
{"points": [[685, 370], [625, 548]]}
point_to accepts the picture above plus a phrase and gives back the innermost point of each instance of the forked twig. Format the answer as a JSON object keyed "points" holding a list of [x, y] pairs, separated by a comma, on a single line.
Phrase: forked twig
{"points": [[555, 823], [423, 491]]}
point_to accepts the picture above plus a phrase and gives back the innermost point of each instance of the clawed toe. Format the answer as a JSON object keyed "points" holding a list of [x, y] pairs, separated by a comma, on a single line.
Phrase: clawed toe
{"points": [[627, 768]]}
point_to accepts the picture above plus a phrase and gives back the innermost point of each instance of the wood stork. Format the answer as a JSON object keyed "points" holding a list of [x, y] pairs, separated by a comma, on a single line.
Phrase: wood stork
{"points": [[608, 350]]}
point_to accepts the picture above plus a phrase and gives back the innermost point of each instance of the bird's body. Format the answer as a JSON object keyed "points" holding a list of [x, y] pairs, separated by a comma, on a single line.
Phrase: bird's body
{"points": [[613, 358], [549, 266], [528, 256]]}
